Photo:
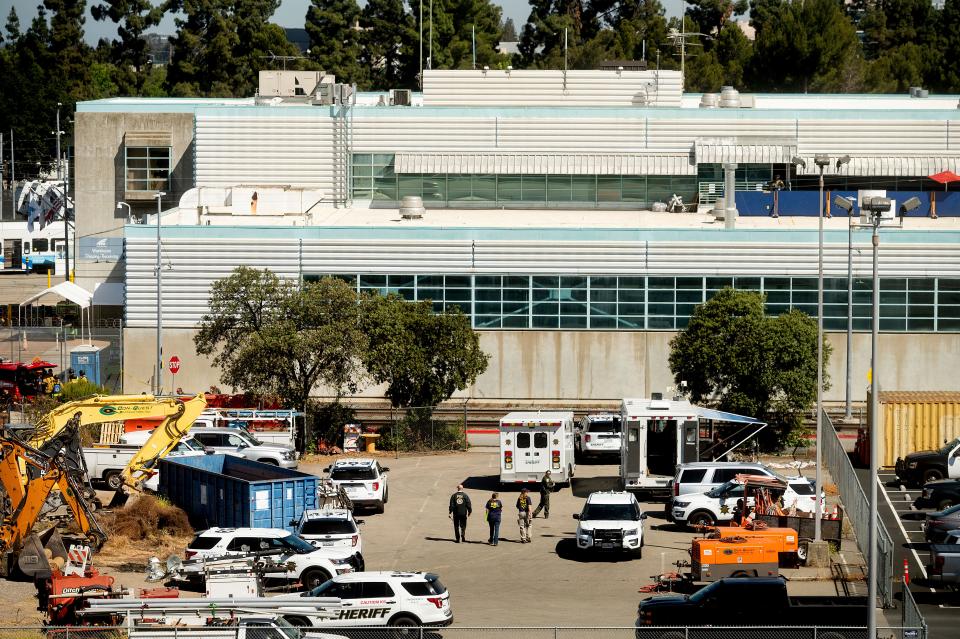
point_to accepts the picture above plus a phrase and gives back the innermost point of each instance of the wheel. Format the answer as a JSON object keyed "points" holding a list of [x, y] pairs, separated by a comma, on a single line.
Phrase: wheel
{"points": [[740, 573], [638, 553], [405, 625], [299, 622], [945, 503], [802, 552], [700, 518], [386, 495], [114, 480], [313, 577], [379, 508], [272, 462], [932, 474]]}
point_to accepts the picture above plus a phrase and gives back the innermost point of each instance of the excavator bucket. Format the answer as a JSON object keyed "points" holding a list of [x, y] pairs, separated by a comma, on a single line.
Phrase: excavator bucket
{"points": [[119, 499], [40, 553]]}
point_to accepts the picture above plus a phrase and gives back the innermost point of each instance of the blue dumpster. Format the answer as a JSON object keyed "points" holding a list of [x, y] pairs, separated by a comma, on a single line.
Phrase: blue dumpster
{"points": [[232, 492]]}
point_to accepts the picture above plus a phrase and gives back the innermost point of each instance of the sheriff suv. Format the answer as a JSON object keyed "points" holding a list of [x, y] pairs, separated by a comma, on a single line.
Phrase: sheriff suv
{"points": [[718, 505], [330, 528], [385, 598], [611, 521], [598, 436], [363, 480], [302, 562]]}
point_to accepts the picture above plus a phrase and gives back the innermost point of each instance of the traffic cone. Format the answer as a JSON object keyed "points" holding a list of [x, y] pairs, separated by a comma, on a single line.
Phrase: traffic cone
{"points": [[836, 513]]}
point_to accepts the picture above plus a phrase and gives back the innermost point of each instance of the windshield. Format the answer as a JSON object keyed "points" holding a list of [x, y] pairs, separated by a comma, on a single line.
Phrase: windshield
{"points": [[617, 512], [298, 544], [723, 488], [319, 590], [189, 444], [604, 427], [289, 631], [247, 437], [352, 473], [328, 527], [704, 593], [950, 446]]}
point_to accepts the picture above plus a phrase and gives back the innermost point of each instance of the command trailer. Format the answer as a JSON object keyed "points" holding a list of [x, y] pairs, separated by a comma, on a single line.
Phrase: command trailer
{"points": [[532, 443]]}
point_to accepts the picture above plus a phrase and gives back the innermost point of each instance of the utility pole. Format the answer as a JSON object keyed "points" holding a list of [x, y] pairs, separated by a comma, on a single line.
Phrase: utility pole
{"points": [[13, 178], [62, 185], [430, 57], [421, 49], [157, 380]]}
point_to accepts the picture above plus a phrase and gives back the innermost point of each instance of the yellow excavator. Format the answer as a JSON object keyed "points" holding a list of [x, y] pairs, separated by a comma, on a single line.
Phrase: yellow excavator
{"points": [[48, 460]]}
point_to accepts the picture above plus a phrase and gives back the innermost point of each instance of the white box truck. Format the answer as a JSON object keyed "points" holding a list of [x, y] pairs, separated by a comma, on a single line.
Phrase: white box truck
{"points": [[657, 436], [532, 443]]}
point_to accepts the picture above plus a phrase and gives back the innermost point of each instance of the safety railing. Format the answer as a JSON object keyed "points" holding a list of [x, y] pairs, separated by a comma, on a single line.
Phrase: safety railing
{"points": [[910, 615], [710, 192], [496, 632], [857, 508]]}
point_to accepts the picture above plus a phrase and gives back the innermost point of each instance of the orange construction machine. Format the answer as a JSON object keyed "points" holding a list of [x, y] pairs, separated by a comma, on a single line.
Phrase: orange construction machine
{"points": [[713, 559]]}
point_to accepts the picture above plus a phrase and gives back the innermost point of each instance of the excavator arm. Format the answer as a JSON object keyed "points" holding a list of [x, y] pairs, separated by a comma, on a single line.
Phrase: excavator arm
{"points": [[164, 438]]}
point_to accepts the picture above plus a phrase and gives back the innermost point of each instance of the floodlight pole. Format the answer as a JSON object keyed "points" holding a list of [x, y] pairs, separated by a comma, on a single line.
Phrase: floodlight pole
{"points": [[872, 537], [821, 161], [157, 379]]}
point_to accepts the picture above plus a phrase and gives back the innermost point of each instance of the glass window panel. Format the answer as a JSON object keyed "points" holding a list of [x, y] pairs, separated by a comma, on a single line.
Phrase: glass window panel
{"points": [[558, 188], [772, 283], [385, 188], [410, 185], [921, 284], [546, 281], [660, 309], [463, 306], [382, 158], [948, 297], [834, 323], [515, 307], [778, 297], [682, 322], [430, 280], [375, 281], [603, 309], [573, 321], [438, 307], [459, 188], [659, 322], [362, 171], [634, 189], [485, 188], [541, 294], [603, 282], [571, 308], [457, 294], [659, 188], [947, 284], [608, 188], [631, 309], [949, 325], [800, 283], [809, 309], [630, 295], [487, 321], [921, 298], [866, 297], [508, 188], [630, 322], [660, 283], [430, 294], [717, 283], [804, 297], [137, 151], [458, 281], [835, 284], [434, 188], [384, 172], [400, 280], [405, 293], [892, 284], [487, 295], [777, 309], [834, 310], [603, 322], [488, 281], [362, 158], [573, 294], [603, 295], [948, 311], [747, 283], [662, 296], [546, 308], [685, 310], [834, 297], [920, 324], [690, 296], [534, 188], [584, 188], [486, 308], [516, 282], [516, 321], [545, 321], [893, 324], [918, 311], [363, 194], [860, 310], [632, 282], [573, 282], [515, 295], [690, 283]]}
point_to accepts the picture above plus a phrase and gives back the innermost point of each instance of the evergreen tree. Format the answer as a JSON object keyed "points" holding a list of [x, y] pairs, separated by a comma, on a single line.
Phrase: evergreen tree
{"points": [[202, 49], [13, 26], [388, 39], [944, 75], [335, 40], [454, 22], [723, 64], [508, 31], [257, 42], [66, 43], [133, 18], [710, 16]]}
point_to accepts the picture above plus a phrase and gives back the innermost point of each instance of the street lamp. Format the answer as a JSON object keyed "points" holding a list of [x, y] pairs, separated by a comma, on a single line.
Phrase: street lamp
{"points": [[874, 207], [847, 414], [120, 206], [822, 161], [156, 382], [61, 184]]}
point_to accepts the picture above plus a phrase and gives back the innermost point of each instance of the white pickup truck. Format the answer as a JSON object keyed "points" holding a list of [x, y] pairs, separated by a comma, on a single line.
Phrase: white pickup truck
{"points": [[105, 462]]}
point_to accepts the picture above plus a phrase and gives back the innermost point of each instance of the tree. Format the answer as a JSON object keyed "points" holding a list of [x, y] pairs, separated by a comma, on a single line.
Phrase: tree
{"points": [[735, 356], [202, 49], [710, 16], [334, 40], [423, 357], [945, 75], [13, 26], [133, 18], [722, 64], [508, 31], [388, 38], [274, 337], [455, 24]]}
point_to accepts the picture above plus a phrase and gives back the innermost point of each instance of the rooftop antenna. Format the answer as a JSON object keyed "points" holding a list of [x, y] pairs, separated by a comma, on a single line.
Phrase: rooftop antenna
{"points": [[274, 57], [473, 44]]}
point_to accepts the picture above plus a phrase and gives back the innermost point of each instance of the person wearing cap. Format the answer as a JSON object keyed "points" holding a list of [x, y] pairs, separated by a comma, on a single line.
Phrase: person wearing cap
{"points": [[460, 509], [494, 510], [546, 487], [524, 518]]}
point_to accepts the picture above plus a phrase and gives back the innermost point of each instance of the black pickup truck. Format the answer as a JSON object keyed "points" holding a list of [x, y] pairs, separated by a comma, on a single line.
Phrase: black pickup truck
{"points": [[925, 466], [752, 602]]}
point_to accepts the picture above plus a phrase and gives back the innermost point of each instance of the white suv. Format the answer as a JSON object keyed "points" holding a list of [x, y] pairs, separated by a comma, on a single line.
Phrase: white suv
{"points": [[240, 442], [363, 480], [387, 598], [598, 435], [330, 528], [302, 562], [611, 521], [710, 508]]}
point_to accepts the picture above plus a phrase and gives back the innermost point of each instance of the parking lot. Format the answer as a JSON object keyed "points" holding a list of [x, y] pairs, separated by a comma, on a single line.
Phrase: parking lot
{"points": [[541, 583]]}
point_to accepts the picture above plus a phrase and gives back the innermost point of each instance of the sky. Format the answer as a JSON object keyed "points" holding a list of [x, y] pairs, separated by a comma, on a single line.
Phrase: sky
{"points": [[290, 14]]}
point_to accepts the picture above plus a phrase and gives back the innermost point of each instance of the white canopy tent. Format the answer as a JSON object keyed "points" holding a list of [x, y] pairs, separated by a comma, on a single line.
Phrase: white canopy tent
{"points": [[72, 293]]}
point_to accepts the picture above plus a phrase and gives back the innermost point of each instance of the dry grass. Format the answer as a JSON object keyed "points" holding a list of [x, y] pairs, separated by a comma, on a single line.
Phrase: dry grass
{"points": [[146, 527]]}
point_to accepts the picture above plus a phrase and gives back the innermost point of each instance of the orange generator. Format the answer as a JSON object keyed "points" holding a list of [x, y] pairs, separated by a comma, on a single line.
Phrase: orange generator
{"points": [[735, 556], [786, 540]]}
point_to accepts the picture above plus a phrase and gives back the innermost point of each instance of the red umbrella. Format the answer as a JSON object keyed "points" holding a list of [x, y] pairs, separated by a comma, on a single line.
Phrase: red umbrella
{"points": [[945, 178]]}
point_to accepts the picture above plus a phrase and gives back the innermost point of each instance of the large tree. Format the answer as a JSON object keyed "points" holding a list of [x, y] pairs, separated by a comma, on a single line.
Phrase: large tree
{"points": [[202, 48], [388, 38], [732, 354], [335, 39], [455, 23], [130, 53], [710, 16]]}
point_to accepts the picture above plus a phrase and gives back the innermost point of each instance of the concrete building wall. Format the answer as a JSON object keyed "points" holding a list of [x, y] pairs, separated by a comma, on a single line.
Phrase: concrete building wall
{"points": [[540, 365], [100, 178]]}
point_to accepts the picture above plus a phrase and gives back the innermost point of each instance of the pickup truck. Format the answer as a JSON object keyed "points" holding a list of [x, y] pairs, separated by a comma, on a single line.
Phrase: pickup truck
{"points": [[944, 568], [751, 602], [926, 466], [106, 462]]}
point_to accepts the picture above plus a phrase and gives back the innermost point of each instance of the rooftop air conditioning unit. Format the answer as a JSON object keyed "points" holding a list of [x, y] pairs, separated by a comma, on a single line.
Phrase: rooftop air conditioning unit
{"points": [[401, 97]]}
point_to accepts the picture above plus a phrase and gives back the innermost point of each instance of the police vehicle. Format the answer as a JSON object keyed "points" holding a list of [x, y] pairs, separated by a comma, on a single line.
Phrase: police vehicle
{"points": [[533, 442], [385, 598], [363, 480], [330, 528], [301, 561], [719, 504], [598, 436], [611, 521]]}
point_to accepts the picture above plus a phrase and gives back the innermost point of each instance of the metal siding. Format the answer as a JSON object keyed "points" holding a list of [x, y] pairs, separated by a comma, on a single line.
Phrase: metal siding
{"points": [[871, 136], [910, 426], [680, 134], [545, 163]]}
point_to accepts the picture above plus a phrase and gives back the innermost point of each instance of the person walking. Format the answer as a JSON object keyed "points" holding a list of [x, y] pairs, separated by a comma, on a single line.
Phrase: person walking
{"points": [[546, 487], [494, 513], [460, 509], [524, 519]]}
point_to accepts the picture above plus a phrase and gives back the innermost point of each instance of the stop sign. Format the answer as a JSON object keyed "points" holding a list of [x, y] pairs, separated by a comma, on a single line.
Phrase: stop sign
{"points": [[174, 364]]}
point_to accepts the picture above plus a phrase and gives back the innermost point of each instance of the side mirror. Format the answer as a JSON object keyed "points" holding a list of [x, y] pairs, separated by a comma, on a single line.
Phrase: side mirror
{"points": [[360, 522], [385, 469], [293, 522], [643, 515], [576, 516], [327, 469]]}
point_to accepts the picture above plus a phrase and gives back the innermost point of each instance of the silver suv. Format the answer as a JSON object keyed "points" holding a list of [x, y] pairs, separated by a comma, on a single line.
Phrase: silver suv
{"points": [[237, 441]]}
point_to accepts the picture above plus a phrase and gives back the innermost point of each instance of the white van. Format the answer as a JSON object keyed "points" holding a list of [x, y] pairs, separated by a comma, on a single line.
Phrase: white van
{"points": [[532, 443]]}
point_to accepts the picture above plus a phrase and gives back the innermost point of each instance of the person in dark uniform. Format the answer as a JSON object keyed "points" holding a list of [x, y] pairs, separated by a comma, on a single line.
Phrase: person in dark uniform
{"points": [[494, 515], [776, 185], [546, 487], [524, 519], [460, 509]]}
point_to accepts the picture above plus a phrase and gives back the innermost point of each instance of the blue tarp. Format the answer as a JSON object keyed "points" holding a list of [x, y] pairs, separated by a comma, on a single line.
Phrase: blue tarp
{"points": [[722, 416], [804, 203]]}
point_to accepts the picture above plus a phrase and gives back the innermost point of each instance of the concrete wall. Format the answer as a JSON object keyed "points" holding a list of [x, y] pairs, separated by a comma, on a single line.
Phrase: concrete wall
{"points": [[100, 178], [541, 365]]}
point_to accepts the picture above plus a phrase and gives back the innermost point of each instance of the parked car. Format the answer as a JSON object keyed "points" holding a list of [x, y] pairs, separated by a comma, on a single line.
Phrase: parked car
{"points": [[330, 528], [611, 521], [702, 477], [936, 525], [939, 495], [944, 568], [309, 565], [598, 436], [240, 442], [926, 466], [363, 480], [717, 505], [385, 598]]}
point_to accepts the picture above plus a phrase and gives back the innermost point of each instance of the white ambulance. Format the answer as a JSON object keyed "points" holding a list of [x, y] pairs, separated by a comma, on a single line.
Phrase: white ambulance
{"points": [[532, 443]]}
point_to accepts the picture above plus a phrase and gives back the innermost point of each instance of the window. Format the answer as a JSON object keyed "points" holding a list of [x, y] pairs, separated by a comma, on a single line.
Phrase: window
{"points": [[246, 544], [236, 440], [428, 588], [201, 542], [523, 440], [41, 245], [347, 474], [147, 168], [376, 589], [693, 475], [540, 440], [328, 527]]}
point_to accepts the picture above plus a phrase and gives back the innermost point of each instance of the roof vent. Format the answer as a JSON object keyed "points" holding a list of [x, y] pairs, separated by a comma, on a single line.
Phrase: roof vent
{"points": [[914, 91], [709, 101], [401, 97], [411, 207], [729, 98]]}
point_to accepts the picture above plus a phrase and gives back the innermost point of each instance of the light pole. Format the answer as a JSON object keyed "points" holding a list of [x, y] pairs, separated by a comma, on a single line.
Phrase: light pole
{"points": [[63, 186], [821, 160], [156, 381], [875, 207], [847, 414], [120, 206]]}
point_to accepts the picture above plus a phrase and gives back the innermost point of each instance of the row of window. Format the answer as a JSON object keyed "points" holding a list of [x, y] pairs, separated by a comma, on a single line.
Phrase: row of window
{"points": [[147, 169], [666, 303]]}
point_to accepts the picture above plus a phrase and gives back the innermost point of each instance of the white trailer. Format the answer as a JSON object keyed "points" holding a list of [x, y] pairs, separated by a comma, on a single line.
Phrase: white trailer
{"points": [[532, 443], [657, 436]]}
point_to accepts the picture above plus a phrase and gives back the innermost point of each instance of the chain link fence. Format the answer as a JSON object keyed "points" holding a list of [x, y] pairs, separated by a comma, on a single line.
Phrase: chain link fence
{"points": [[227, 632], [910, 612], [421, 429], [857, 507], [100, 350]]}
